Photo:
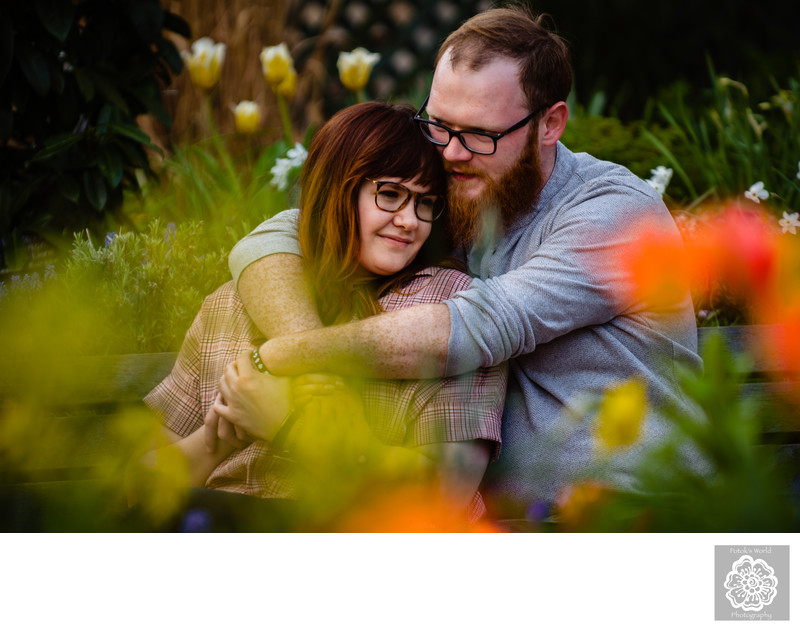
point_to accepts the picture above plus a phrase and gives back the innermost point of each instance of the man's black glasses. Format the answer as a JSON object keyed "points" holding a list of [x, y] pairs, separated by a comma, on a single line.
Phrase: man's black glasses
{"points": [[480, 142]]}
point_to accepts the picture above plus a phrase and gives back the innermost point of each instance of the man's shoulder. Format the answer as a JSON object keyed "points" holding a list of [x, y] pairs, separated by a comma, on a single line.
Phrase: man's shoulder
{"points": [[589, 174]]}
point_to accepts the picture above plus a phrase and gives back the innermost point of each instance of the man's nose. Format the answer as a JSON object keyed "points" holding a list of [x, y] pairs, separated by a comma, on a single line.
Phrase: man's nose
{"points": [[454, 151]]}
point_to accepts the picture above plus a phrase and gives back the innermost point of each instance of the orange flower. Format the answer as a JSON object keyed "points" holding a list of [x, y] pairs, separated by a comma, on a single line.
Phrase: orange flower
{"points": [[577, 505], [411, 508], [736, 248]]}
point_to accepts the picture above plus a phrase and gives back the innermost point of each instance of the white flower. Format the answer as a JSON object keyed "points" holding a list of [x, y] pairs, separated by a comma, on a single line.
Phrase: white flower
{"points": [[661, 176], [790, 222], [798, 169], [296, 156], [280, 173], [355, 67], [757, 192]]}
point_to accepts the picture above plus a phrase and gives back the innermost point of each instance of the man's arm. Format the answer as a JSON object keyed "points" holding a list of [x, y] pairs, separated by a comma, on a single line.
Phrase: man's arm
{"points": [[404, 344], [275, 295]]}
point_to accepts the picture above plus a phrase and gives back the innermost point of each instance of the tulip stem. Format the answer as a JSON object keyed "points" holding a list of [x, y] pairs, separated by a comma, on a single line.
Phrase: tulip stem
{"points": [[221, 151], [283, 108]]}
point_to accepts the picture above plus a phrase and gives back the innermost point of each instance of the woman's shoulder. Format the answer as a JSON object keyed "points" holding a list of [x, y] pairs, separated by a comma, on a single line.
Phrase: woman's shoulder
{"points": [[429, 285]]}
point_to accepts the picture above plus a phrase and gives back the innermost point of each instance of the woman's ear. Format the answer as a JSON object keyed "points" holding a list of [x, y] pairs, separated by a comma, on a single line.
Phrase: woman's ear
{"points": [[552, 124]]}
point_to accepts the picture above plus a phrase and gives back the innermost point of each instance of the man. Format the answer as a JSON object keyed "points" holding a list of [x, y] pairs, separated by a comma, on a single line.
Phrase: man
{"points": [[545, 232]]}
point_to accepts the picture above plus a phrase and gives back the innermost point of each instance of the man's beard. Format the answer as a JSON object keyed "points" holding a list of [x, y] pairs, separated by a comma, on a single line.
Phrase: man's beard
{"points": [[503, 202]]}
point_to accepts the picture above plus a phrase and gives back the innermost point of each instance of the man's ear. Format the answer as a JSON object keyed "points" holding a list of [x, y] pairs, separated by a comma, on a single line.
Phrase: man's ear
{"points": [[552, 124]]}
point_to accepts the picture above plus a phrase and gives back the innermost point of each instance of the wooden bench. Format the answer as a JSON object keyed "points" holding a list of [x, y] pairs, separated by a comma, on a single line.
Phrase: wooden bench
{"points": [[75, 402], [767, 380], [82, 396]]}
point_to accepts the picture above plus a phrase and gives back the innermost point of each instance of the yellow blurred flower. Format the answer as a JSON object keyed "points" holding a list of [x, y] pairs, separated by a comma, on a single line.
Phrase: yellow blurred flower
{"points": [[247, 116], [355, 67], [276, 64], [205, 62], [619, 420], [288, 86]]}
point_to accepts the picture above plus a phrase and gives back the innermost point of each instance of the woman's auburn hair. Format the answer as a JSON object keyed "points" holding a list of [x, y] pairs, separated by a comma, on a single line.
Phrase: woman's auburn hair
{"points": [[368, 140]]}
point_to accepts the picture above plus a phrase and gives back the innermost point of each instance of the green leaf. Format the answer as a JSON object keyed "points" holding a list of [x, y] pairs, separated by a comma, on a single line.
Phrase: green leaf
{"points": [[95, 188], [55, 145], [130, 131], [85, 84], [171, 55], [35, 69], [108, 90], [110, 163], [69, 188], [56, 16], [177, 24]]}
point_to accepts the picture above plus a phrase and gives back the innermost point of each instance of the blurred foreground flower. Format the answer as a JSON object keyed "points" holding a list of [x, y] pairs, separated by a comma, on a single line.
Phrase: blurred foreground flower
{"points": [[205, 62], [247, 116], [410, 508], [355, 68], [577, 505], [736, 248], [622, 410], [757, 192]]}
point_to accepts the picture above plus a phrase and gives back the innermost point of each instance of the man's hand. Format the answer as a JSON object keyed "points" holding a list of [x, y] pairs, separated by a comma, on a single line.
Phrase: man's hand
{"points": [[254, 402]]}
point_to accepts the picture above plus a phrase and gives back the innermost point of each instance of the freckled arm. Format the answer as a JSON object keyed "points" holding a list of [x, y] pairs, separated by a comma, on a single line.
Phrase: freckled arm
{"points": [[404, 344]]}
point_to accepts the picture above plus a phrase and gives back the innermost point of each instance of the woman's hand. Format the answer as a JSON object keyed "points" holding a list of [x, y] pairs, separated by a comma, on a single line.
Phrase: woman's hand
{"points": [[254, 402], [216, 429]]}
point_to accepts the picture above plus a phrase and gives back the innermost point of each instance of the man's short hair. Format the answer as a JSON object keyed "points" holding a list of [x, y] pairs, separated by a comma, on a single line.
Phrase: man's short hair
{"points": [[517, 33]]}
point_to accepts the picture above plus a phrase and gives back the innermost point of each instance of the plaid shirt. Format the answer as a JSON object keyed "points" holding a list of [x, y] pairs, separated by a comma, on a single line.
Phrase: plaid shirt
{"points": [[405, 413]]}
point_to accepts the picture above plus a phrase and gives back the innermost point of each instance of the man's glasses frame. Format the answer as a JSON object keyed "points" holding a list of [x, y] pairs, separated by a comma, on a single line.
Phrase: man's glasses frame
{"points": [[438, 202], [425, 122]]}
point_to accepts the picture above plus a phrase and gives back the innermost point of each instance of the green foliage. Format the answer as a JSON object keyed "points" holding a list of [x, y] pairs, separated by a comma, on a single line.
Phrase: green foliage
{"points": [[720, 150], [610, 139], [728, 483], [202, 182], [148, 285], [74, 75]]}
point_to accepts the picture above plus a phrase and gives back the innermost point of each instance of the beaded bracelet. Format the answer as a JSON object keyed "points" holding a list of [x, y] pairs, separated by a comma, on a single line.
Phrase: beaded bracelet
{"points": [[257, 361]]}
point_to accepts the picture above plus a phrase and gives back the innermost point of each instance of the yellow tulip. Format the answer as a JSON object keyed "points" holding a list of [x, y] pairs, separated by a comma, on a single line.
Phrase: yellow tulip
{"points": [[355, 67], [619, 420], [276, 64], [288, 86], [205, 62], [247, 116]]}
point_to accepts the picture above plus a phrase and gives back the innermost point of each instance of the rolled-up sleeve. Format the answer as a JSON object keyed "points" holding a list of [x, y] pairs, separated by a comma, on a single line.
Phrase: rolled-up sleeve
{"points": [[273, 236], [571, 277]]}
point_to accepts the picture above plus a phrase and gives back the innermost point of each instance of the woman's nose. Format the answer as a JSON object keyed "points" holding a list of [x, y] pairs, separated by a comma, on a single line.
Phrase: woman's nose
{"points": [[406, 218]]}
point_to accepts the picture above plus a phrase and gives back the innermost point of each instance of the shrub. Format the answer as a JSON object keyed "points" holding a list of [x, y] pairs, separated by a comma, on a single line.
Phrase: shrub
{"points": [[74, 75]]}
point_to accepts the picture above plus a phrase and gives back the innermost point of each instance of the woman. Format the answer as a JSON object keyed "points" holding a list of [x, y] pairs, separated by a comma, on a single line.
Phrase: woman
{"points": [[372, 190]]}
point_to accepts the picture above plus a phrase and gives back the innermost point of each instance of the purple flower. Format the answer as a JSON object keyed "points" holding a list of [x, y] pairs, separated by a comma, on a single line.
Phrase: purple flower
{"points": [[110, 238], [196, 520]]}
